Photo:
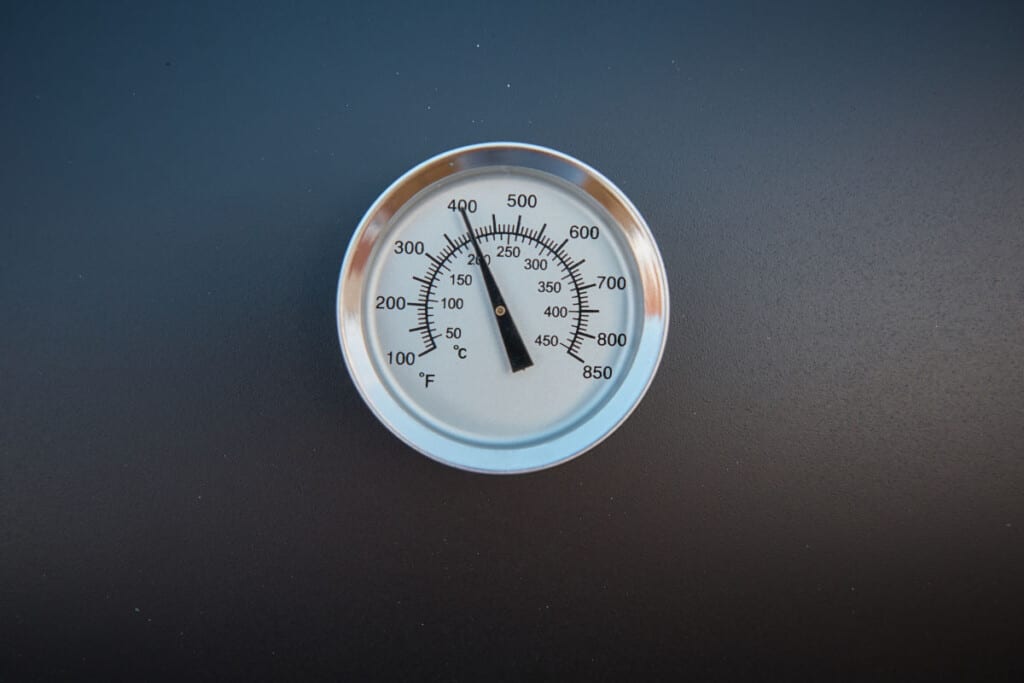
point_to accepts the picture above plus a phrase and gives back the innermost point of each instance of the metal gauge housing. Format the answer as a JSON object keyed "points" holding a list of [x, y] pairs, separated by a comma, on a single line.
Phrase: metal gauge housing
{"points": [[502, 307]]}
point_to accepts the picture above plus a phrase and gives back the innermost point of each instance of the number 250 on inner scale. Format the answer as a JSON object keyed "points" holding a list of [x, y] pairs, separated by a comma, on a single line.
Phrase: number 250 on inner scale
{"points": [[502, 307]]}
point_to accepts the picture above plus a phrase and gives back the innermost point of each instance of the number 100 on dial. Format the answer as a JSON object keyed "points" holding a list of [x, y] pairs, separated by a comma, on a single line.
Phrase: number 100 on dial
{"points": [[502, 308]]}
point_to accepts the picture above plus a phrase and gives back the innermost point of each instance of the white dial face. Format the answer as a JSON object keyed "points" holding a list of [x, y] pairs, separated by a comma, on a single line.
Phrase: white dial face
{"points": [[500, 313], [565, 284]]}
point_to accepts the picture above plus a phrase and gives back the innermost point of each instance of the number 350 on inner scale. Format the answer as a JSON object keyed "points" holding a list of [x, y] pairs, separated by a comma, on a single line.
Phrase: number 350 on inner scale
{"points": [[502, 307]]}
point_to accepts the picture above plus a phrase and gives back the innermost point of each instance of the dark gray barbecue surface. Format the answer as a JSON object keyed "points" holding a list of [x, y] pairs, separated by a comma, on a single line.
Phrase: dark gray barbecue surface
{"points": [[825, 481]]}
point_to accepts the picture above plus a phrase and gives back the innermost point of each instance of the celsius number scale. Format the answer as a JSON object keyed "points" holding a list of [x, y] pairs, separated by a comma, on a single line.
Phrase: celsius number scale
{"points": [[502, 307]]}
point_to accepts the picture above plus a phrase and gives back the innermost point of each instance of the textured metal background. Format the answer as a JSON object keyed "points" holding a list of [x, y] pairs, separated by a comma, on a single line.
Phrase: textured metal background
{"points": [[826, 476]]}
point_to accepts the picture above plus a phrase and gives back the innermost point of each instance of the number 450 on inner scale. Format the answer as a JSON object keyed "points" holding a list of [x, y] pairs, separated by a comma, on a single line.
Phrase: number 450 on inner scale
{"points": [[502, 307]]}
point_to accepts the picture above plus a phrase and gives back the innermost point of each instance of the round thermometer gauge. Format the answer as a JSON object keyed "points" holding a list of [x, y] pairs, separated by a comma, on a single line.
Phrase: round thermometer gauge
{"points": [[502, 307]]}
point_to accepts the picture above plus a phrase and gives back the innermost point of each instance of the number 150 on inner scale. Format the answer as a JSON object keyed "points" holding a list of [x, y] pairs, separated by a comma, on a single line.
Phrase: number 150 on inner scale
{"points": [[502, 307]]}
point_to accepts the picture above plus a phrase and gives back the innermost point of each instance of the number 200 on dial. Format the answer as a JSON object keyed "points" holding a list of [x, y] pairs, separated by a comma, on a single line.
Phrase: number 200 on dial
{"points": [[502, 307]]}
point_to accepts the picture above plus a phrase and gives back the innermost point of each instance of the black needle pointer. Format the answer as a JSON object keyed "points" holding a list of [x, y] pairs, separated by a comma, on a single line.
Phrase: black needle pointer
{"points": [[518, 356]]}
